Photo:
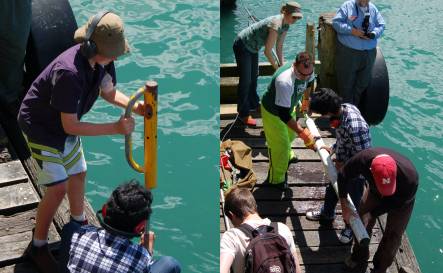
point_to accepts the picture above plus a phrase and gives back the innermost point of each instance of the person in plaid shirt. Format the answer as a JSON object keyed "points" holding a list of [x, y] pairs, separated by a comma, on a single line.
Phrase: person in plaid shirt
{"points": [[109, 248], [352, 136]]}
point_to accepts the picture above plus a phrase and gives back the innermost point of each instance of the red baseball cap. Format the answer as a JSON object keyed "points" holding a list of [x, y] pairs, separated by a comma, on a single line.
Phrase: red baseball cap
{"points": [[384, 171]]}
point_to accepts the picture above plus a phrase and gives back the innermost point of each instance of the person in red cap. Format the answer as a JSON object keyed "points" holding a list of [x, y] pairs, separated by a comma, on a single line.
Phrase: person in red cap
{"points": [[392, 183]]}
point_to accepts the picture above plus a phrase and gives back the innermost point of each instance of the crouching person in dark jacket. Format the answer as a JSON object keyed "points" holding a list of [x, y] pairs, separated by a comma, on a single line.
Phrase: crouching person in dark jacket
{"points": [[392, 182]]}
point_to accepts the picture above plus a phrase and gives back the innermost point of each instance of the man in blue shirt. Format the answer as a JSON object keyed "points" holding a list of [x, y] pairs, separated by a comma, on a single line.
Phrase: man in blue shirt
{"points": [[359, 25]]}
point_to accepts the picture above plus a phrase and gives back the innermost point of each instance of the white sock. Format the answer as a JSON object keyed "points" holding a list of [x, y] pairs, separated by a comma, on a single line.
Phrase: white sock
{"points": [[39, 243], [79, 218]]}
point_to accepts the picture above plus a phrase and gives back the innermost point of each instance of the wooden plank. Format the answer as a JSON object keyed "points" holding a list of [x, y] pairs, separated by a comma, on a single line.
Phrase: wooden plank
{"points": [[285, 208], [405, 255], [228, 89], [335, 268], [299, 174], [242, 131], [230, 69], [303, 154], [14, 197], [297, 143], [17, 223], [324, 238], [13, 246], [12, 172], [25, 267], [228, 110], [296, 223], [295, 193], [321, 122]]}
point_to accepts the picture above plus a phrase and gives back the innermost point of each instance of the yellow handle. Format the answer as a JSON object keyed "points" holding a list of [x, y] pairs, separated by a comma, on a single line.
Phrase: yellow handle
{"points": [[150, 134]]}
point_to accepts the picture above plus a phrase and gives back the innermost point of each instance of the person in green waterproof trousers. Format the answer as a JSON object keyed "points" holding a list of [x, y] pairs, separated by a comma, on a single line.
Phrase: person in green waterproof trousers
{"points": [[287, 88]]}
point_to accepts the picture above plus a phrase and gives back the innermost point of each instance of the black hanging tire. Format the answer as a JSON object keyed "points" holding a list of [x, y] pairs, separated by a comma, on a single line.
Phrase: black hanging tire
{"points": [[52, 32], [375, 99]]}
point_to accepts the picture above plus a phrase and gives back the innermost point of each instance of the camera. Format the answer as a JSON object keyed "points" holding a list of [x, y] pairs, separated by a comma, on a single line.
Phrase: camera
{"points": [[365, 26]]}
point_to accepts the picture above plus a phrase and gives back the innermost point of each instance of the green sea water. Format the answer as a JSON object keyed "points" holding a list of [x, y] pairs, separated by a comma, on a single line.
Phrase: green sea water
{"points": [[175, 43], [412, 45]]}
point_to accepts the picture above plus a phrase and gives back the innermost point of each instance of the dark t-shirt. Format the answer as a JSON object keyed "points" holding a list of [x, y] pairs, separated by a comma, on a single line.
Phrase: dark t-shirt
{"points": [[67, 85], [407, 177]]}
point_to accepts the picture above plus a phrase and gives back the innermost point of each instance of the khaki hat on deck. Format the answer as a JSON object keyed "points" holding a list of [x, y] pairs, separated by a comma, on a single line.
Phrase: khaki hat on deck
{"points": [[108, 36], [294, 9]]}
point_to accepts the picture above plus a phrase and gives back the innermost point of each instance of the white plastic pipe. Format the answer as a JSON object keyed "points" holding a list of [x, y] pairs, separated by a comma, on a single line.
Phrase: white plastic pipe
{"points": [[354, 221]]}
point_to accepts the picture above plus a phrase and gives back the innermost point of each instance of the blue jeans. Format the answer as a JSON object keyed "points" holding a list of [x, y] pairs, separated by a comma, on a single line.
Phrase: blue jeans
{"points": [[247, 63], [355, 190], [165, 264]]}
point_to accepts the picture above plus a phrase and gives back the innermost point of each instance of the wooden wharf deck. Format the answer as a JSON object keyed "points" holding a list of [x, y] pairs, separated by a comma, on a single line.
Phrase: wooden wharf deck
{"points": [[319, 248], [19, 198]]}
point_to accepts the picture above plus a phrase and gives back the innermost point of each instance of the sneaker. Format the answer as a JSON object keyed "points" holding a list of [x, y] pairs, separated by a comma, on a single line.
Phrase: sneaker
{"points": [[249, 121], [293, 158], [316, 215], [42, 258], [346, 235]]}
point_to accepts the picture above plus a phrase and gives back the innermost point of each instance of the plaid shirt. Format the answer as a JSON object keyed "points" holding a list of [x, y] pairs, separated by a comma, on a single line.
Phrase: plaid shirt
{"points": [[352, 135], [94, 249]]}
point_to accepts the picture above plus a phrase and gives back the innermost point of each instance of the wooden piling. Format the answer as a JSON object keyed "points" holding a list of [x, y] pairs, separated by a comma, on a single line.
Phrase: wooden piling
{"points": [[310, 41], [326, 51]]}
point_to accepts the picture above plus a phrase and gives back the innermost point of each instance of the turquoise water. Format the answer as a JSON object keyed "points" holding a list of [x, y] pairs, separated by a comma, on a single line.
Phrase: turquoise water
{"points": [[176, 44], [412, 45]]}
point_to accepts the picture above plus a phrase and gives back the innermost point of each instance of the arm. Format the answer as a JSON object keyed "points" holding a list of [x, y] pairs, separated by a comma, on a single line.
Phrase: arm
{"points": [[351, 169], [280, 42], [73, 126], [379, 24], [226, 261], [360, 136], [150, 241], [117, 98], [340, 21], [296, 260], [270, 42], [341, 24]]}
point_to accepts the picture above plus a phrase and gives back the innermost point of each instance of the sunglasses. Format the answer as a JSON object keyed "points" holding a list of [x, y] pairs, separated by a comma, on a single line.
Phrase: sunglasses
{"points": [[306, 65]]}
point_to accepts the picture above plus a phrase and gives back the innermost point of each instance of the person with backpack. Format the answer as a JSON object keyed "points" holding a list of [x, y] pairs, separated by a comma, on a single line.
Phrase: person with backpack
{"points": [[240, 246]]}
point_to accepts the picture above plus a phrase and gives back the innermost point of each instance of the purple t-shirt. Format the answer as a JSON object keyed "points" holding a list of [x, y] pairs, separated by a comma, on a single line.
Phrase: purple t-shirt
{"points": [[67, 85]]}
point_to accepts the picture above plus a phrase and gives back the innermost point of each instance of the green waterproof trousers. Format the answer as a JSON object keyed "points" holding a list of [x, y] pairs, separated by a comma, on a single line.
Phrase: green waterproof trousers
{"points": [[278, 138]]}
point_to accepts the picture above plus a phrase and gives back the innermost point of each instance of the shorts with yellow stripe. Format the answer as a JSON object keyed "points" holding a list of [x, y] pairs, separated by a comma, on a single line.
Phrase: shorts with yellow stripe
{"points": [[56, 166]]}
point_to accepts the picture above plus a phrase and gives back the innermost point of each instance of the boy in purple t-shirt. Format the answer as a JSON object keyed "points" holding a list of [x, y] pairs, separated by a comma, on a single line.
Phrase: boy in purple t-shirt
{"points": [[50, 119]]}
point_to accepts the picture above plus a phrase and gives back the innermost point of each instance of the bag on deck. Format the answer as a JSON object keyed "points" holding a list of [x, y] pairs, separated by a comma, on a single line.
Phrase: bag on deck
{"points": [[236, 166], [268, 251]]}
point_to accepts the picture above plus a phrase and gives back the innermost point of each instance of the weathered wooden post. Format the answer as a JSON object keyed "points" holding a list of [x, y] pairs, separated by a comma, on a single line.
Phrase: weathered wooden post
{"points": [[326, 52], [310, 40]]}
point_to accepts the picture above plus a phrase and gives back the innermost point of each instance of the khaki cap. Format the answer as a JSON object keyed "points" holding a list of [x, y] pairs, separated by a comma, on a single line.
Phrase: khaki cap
{"points": [[108, 36], [294, 9]]}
